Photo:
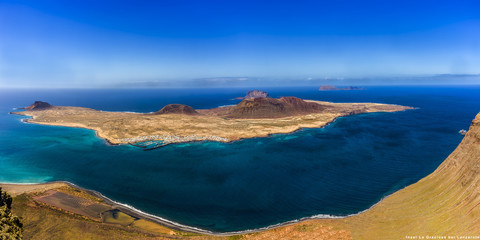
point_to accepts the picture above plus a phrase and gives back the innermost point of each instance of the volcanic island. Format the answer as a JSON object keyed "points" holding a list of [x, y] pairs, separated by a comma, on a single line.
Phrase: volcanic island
{"points": [[257, 115]]}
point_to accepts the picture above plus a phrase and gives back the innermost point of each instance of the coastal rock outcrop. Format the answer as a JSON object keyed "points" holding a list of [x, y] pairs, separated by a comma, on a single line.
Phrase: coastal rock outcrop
{"points": [[273, 108], [177, 109], [38, 105]]}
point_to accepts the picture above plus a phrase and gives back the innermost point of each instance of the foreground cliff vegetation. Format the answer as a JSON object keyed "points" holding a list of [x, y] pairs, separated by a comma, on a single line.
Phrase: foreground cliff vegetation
{"points": [[10, 225]]}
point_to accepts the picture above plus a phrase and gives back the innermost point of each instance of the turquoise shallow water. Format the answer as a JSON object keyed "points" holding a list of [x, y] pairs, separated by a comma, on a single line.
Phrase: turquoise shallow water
{"points": [[338, 170]]}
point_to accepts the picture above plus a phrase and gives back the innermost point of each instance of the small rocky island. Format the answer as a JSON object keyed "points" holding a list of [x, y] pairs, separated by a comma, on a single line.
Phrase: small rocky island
{"points": [[333, 88], [257, 115], [255, 94]]}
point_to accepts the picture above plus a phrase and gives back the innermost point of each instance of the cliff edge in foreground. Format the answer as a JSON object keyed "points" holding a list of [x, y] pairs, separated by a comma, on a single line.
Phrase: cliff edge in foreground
{"points": [[445, 203]]}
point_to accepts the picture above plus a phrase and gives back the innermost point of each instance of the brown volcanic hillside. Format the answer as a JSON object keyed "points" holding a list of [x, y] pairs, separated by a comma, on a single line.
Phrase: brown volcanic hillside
{"points": [[273, 108], [39, 105], [177, 109]]}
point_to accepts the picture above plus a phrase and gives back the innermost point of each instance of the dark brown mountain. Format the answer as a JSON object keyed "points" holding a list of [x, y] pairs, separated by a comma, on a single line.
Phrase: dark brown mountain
{"points": [[273, 108], [177, 109], [38, 105]]}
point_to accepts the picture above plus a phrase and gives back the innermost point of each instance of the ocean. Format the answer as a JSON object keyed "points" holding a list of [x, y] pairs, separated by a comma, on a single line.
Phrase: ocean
{"points": [[341, 169]]}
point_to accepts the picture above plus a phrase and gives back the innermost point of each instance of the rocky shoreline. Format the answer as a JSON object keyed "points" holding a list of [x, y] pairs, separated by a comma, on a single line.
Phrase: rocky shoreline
{"points": [[167, 139]]}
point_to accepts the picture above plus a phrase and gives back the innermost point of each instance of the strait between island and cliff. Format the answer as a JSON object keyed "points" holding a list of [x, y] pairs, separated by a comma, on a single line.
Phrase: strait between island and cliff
{"points": [[443, 205], [257, 115]]}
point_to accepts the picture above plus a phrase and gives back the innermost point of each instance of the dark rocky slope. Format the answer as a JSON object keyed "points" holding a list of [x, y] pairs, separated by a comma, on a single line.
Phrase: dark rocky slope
{"points": [[39, 105], [273, 108]]}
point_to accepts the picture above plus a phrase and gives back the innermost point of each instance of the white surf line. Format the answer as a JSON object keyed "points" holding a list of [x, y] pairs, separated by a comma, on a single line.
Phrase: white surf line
{"points": [[178, 226]]}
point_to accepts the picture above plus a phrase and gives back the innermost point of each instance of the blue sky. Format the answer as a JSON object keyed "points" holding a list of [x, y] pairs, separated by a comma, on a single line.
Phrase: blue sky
{"points": [[113, 43]]}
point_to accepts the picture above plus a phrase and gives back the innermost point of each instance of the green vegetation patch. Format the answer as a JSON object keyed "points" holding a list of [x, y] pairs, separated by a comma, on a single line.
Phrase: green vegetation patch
{"points": [[235, 237], [304, 228], [10, 225], [116, 216]]}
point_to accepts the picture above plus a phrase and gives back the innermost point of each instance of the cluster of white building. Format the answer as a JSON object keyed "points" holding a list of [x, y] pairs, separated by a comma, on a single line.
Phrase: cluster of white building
{"points": [[167, 139]]}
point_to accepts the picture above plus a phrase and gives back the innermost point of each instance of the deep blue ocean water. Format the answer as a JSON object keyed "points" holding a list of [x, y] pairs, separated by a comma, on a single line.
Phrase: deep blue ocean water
{"points": [[341, 169]]}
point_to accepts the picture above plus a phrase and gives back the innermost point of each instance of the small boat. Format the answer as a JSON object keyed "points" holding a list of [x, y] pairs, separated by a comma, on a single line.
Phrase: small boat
{"points": [[463, 132]]}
